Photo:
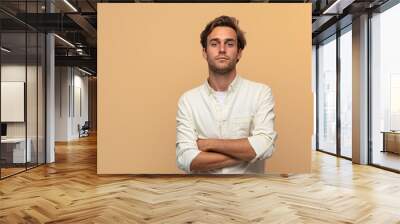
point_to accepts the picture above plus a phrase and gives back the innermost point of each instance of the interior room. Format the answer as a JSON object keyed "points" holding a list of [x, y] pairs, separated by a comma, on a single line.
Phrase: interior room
{"points": [[93, 104]]}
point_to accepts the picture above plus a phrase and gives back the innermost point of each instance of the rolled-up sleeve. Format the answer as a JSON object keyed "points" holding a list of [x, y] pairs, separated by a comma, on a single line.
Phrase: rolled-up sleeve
{"points": [[262, 137], [186, 137]]}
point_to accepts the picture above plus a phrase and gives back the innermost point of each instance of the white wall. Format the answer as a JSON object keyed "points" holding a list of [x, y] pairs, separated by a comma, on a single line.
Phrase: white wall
{"points": [[71, 94], [62, 80], [81, 102]]}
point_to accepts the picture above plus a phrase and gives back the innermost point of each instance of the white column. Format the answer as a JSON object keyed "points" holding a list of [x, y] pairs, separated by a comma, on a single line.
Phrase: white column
{"points": [[50, 100], [360, 90]]}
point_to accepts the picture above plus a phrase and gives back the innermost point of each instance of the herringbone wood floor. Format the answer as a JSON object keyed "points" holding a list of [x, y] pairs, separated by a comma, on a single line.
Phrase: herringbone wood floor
{"points": [[69, 191]]}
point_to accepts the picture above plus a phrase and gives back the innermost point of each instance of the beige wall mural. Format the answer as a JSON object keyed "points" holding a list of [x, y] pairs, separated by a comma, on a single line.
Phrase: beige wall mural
{"points": [[149, 54]]}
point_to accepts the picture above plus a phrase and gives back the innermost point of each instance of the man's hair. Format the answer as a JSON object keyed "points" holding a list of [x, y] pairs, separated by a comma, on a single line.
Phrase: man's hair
{"points": [[231, 22]]}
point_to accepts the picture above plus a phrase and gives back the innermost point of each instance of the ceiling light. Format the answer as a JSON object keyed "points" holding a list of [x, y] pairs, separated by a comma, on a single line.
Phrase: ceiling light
{"points": [[64, 40], [5, 50], [84, 71], [79, 51], [70, 5], [337, 7]]}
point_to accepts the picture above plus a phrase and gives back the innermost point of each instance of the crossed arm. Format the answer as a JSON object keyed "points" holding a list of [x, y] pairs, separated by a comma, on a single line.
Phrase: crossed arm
{"points": [[195, 154], [220, 153]]}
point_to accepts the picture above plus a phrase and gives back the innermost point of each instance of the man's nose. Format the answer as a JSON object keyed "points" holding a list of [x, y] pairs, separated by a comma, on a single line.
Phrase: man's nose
{"points": [[222, 48]]}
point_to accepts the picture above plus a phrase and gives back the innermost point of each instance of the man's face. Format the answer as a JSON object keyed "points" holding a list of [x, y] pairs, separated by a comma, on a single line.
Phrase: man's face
{"points": [[222, 52]]}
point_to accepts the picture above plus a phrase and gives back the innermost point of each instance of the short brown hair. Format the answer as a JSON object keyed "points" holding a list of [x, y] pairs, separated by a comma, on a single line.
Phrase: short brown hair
{"points": [[231, 22]]}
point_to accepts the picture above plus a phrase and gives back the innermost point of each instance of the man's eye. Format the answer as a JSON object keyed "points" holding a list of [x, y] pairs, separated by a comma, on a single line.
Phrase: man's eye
{"points": [[230, 44], [213, 44]]}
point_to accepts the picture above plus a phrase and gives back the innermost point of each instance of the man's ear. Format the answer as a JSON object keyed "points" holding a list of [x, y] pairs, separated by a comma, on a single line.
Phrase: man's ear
{"points": [[239, 55], [204, 53]]}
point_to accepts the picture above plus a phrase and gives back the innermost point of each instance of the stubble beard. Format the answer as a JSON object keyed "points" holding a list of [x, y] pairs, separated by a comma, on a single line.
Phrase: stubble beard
{"points": [[222, 70]]}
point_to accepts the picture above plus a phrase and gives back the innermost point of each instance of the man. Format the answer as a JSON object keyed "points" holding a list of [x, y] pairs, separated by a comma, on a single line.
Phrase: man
{"points": [[225, 125]]}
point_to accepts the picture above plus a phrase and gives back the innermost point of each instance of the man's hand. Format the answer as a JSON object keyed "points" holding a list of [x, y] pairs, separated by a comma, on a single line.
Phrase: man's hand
{"points": [[205, 161], [236, 148], [204, 145], [208, 159]]}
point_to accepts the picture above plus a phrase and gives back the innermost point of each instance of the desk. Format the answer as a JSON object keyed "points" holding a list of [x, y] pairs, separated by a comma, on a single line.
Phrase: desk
{"points": [[13, 150], [391, 141]]}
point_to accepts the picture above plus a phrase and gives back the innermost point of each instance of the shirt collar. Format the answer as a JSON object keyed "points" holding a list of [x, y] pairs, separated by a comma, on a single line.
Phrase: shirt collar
{"points": [[232, 86]]}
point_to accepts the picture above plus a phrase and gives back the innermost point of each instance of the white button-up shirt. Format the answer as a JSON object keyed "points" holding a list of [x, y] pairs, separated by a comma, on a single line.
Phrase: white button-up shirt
{"points": [[247, 112]]}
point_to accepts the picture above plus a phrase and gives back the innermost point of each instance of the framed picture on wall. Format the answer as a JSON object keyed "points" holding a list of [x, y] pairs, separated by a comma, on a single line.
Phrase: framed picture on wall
{"points": [[12, 101]]}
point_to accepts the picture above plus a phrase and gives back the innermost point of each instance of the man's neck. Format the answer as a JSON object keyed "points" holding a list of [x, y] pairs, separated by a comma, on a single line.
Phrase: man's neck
{"points": [[221, 82]]}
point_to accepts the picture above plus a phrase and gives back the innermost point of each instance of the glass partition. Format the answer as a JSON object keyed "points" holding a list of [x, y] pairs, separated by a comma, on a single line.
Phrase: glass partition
{"points": [[13, 95], [31, 100], [22, 88]]}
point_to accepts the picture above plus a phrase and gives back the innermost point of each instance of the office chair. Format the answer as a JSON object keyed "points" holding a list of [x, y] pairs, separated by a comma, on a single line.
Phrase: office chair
{"points": [[84, 130]]}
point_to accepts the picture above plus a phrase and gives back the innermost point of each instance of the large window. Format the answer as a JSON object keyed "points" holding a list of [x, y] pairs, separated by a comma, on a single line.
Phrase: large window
{"points": [[334, 60], [327, 95], [346, 92], [385, 88]]}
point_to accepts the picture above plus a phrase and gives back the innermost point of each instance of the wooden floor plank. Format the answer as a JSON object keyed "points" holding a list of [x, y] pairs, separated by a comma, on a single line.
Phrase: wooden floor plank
{"points": [[70, 191]]}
